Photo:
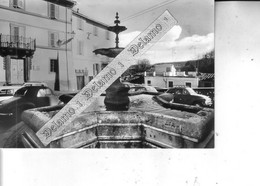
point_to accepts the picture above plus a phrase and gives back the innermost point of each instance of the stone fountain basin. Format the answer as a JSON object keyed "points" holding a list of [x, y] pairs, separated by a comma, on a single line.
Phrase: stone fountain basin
{"points": [[140, 127]]}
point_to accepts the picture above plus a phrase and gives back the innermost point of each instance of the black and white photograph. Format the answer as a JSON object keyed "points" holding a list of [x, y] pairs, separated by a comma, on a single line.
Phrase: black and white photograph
{"points": [[129, 93], [106, 74]]}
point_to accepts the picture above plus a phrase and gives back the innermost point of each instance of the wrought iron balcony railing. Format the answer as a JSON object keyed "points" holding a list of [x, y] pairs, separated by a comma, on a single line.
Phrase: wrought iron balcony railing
{"points": [[11, 44], [10, 41]]}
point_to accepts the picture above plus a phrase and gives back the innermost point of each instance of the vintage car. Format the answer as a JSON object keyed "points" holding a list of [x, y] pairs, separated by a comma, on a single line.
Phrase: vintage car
{"points": [[34, 83], [7, 92], [25, 98], [149, 122], [186, 95], [134, 89]]}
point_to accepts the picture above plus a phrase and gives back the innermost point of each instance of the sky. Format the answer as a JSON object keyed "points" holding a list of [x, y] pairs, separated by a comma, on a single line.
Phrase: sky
{"points": [[190, 39]]}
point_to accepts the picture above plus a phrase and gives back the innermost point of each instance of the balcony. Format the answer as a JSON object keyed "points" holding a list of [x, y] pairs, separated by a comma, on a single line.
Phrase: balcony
{"points": [[17, 46]]}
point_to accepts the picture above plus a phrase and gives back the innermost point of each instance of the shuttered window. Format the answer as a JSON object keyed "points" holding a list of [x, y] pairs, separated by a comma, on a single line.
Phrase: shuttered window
{"points": [[95, 69], [17, 4], [80, 24], [53, 38], [95, 30], [17, 33], [80, 47], [52, 65], [53, 11]]}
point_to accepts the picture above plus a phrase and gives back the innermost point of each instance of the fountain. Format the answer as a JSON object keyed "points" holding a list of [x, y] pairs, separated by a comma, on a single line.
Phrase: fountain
{"points": [[117, 94], [144, 121]]}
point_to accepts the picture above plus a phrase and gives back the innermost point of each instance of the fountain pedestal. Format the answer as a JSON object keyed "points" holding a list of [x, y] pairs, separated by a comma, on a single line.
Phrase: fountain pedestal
{"points": [[117, 97]]}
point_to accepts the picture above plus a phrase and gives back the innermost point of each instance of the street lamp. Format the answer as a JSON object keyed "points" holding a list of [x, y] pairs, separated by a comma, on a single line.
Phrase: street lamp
{"points": [[59, 44]]}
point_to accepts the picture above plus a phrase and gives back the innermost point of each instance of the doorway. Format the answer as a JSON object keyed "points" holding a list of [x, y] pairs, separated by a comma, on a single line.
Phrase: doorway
{"points": [[17, 71], [80, 82]]}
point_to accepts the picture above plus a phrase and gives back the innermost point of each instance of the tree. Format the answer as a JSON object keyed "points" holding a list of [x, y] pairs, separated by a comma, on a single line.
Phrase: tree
{"points": [[141, 66], [206, 63], [136, 71], [188, 67]]}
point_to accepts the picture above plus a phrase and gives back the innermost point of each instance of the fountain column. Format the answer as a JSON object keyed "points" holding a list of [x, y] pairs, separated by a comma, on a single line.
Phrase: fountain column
{"points": [[117, 94]]}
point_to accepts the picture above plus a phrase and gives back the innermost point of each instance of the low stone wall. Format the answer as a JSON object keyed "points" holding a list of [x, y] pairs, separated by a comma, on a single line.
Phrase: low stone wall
{"points": [[125, 129]]}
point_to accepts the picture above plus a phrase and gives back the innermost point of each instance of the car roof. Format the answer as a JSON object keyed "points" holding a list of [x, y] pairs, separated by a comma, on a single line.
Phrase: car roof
{"points": [[34, 87]]}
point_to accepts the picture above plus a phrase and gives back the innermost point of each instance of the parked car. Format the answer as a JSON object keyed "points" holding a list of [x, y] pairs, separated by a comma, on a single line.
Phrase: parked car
{"points": [[160, 89], [186, 95], [7, 92], [35, 83], [142, 89], [134, 89], [25, 98]]}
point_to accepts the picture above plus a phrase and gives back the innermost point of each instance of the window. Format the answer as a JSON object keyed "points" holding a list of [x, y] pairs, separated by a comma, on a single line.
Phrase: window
{"points": [[20, 92], [149, 82], [178, 91], [42, 93], [17, 4], [48, 91], [80, 48], [171, 91], [53, 11], [53, 64], [185, 92], [95, 69], [188, 84], [53, 38], [108, 35], [95, 31], [80, 24], [170, 84], [80, 82], [17, 33]]}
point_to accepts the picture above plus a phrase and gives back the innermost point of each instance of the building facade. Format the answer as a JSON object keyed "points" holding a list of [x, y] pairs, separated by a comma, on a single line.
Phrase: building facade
{"points": [[47, 42], [166, 75], [89, 36]]}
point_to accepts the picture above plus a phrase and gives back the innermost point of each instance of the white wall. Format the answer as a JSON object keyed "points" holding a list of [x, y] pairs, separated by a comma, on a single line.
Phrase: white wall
{"points": [[40, 7], [163, 82], [85, 62], [38, 26]]}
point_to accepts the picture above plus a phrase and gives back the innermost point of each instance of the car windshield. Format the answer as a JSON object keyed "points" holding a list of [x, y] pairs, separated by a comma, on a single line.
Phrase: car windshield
{"points": [[20, 92], [191, 91]]}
